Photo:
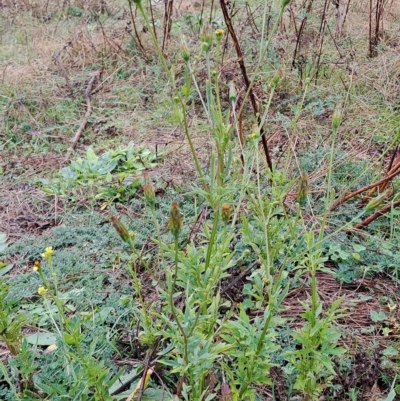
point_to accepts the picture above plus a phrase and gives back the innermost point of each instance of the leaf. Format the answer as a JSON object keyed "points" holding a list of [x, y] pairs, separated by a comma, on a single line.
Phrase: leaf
{"points": [[5, 268], [391, 396], [90, 155], [69, 173], [3, 242], [139, 385], [377, 316], [390, 351], [41, 339]]}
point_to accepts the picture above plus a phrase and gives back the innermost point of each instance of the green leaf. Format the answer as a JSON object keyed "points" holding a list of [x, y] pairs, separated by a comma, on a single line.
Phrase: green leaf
{"points": [[41, 339], [377, 316], [90, 155], [390, 351], [3, 242], [5, 268]]}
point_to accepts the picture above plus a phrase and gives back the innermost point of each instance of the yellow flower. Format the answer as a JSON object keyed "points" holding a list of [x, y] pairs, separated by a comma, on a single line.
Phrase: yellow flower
{"points": [[42, 291], [219, 33], [36, 266], [48, 252]]}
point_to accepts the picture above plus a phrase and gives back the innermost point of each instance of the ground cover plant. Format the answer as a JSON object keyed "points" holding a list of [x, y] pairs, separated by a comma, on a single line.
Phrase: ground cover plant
{"points": [[199, 200]]}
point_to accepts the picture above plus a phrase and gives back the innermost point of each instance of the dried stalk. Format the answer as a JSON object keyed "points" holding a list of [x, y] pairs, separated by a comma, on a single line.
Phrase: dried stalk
{"points": [[366, 188], [88, 93], [243, 70], [377, 214]]}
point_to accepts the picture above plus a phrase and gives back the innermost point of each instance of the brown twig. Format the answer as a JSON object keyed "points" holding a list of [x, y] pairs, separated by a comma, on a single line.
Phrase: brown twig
{"points": [[88, 109], [382, 187], [169, 4], [243, 70], [239, 277], [63, 71], [377, 214], [366, 188], [134, 27]]}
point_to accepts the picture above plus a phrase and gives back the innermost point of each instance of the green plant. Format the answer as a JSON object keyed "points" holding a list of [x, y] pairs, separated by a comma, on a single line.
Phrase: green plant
{"points": [[110, 176]]}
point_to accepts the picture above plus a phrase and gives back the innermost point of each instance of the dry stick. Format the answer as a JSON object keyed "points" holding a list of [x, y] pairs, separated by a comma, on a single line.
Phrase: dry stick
{"points": [[152, 19], [62, 68], [382, 187], [302, 26], [88, 91], [377, 214], [239, 277], [366, 188], [370, 28], [243, 70], [167, 22], [347, 11], [134, 27]]}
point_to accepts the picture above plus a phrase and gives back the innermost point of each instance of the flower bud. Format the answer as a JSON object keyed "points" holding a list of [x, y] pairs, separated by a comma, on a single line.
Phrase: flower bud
{"points": [[303, 190], [219, 33], [336, 119], [36, 266], [42, 291], [175, 219], [185, 53], [226, 213], [120, 229], [149, 194]]}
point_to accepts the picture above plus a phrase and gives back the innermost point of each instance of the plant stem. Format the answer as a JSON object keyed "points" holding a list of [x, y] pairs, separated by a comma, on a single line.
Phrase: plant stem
{"points": [[172, 306]]}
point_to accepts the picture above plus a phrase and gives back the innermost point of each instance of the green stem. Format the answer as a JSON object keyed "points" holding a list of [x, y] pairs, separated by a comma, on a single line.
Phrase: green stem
{"points": [[172, 306], [212, 238]]}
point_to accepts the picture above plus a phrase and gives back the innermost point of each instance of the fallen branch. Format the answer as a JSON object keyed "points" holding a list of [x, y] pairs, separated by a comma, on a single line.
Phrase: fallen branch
{"points": [[88, 91], [382, 187], [360, 191], [377, 214]]}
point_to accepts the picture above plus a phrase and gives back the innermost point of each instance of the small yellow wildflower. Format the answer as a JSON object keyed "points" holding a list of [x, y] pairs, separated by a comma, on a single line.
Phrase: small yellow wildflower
{"points": [[48, 252], [36, 266], [42, 291], [252, 135], [219, 33]]}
